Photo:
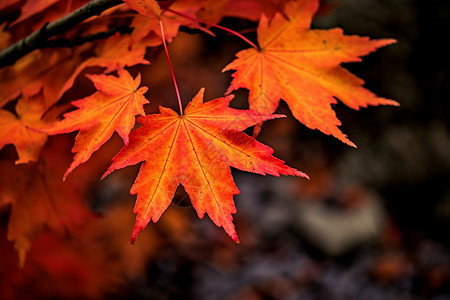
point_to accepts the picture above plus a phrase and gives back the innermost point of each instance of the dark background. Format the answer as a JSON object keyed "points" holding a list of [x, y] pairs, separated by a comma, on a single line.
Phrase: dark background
{"points": [[398, 179], [372, 223]]}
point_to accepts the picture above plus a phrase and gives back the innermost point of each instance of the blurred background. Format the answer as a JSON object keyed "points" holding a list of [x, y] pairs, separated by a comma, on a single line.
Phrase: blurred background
{"points": [[372, 223]]}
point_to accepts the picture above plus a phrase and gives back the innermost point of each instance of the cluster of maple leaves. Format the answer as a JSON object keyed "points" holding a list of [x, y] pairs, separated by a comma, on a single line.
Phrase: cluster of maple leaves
{"points": [[194, 147]]}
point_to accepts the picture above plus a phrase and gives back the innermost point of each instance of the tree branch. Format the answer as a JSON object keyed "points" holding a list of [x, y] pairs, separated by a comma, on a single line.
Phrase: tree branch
{"points": [[60, 42], [39, 38]]}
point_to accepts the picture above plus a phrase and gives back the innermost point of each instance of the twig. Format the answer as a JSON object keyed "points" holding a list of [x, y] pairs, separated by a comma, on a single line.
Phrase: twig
{"points": [[60, 42], [39, 38]]}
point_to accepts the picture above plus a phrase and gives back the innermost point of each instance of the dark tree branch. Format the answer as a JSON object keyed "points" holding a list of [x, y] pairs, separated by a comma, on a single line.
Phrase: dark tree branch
{"points": [[39, 39], [59, 43]]}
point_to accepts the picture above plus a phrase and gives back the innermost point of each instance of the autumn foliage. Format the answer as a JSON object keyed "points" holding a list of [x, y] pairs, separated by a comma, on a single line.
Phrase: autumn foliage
{"points": [[194, 146]]}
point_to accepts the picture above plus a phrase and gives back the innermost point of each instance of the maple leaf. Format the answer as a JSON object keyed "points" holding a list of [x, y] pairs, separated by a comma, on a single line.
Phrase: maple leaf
{"points": [[42, 70], [116, 53], [113, 54], [145, 7], [16, 128], [302, 66], [148, 26], [14, 131], [89, 263], [112, 108], [195, 150], [38, 199], [55, 70]]}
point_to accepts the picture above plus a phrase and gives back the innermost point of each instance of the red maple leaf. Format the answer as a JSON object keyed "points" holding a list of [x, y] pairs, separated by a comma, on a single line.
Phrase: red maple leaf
{"points": [[195, 150]]}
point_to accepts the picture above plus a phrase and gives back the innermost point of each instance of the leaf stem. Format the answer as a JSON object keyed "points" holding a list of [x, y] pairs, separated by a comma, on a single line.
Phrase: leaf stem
{"points": [[170, 66], [215, 25]]}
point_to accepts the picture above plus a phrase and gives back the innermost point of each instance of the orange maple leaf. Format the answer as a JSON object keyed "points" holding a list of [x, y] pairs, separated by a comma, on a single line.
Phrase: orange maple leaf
{"points": [[15, 129], [38, 200], [44, 70], [148, 26], [145, 7], [302, 66], [196, 150], [112, 108], [114, 53]]}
